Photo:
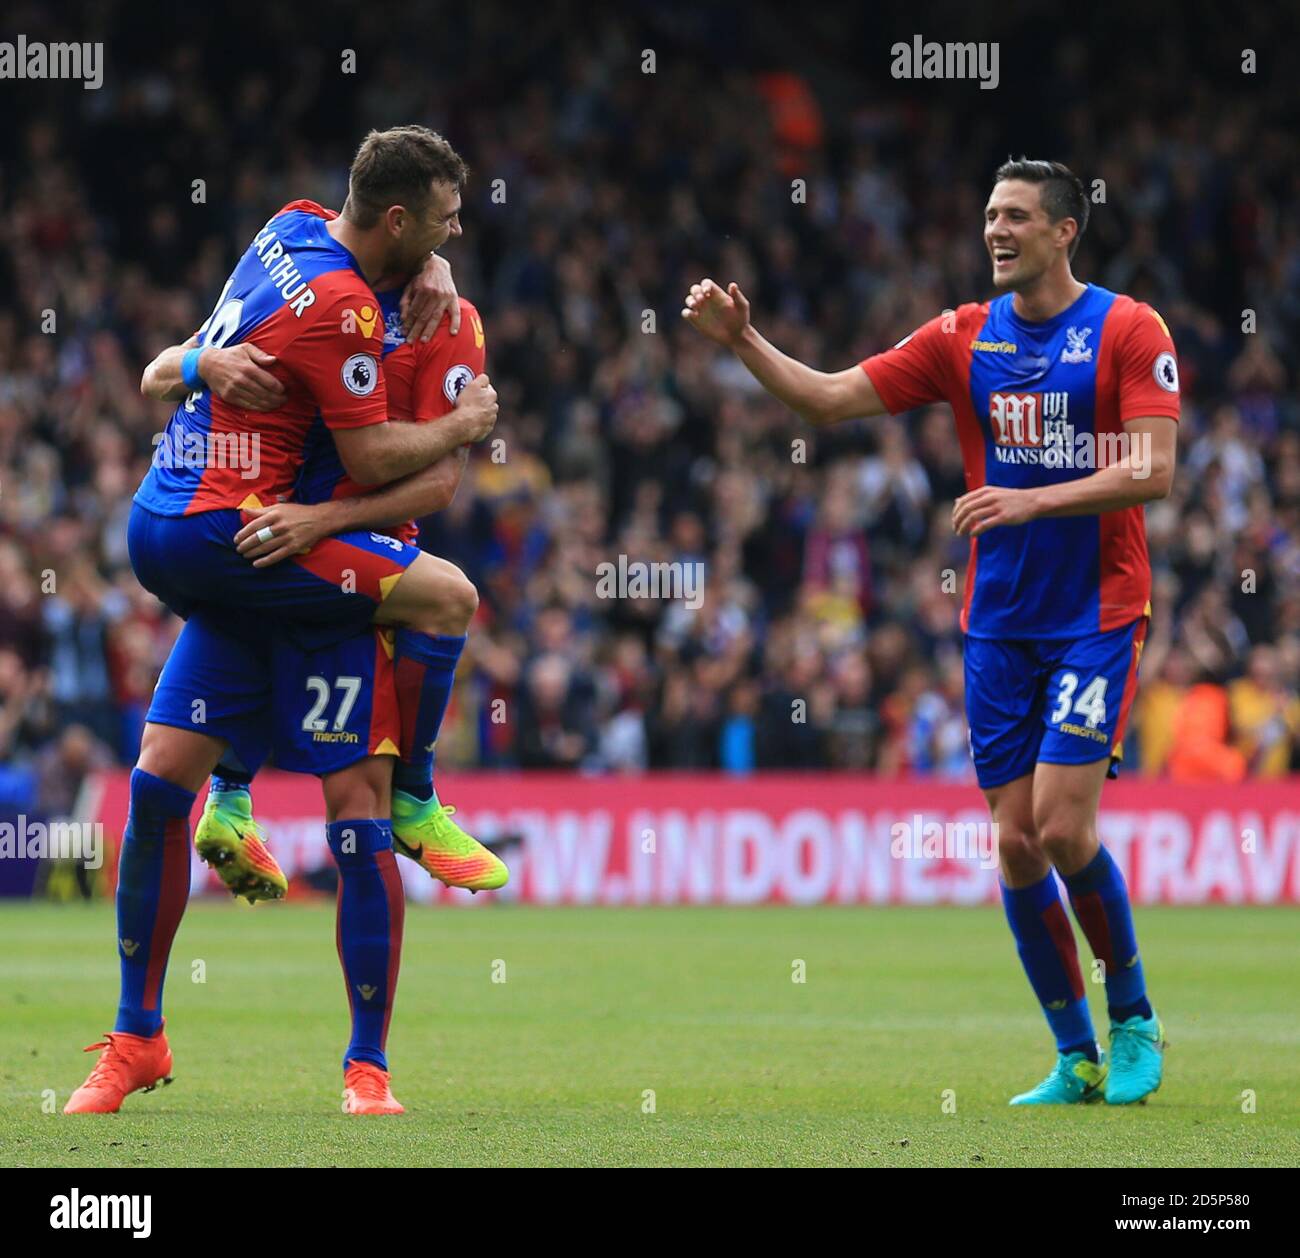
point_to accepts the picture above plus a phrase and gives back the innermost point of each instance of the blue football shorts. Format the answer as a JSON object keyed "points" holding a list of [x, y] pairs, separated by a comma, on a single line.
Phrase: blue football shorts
{"points": [[1049, 701], [317, 711], [324, 596]]}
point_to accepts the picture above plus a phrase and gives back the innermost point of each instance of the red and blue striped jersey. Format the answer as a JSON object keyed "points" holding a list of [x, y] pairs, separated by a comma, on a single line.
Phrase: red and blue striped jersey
{"points": [[300, 295], [423, 380], [1031, 400]]}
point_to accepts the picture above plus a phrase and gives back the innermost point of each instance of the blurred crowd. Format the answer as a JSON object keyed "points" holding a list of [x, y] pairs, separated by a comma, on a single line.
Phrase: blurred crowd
{"points": [[827, 635]]}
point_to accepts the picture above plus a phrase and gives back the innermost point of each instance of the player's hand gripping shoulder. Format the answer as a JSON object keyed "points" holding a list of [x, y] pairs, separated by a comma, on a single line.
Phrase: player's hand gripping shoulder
{"points": [[428, 297]]}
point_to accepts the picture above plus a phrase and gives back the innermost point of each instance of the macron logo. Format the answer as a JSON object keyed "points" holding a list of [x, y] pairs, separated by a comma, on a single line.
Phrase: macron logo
{"points": [[124, 1213]]}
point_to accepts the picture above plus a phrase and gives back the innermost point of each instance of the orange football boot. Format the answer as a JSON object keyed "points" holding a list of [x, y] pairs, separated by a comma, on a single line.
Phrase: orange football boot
{"points": [[366, 1091], [128, 1063]]}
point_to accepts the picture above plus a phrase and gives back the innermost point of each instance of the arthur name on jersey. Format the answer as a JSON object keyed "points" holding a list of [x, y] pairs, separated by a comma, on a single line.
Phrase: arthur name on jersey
{"points": [[282, 271]]}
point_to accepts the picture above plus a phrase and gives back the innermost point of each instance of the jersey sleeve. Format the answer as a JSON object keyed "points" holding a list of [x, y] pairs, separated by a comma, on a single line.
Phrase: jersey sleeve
{"points": [[1147, 367], [447, 364], [916, 371], [337, 359]]}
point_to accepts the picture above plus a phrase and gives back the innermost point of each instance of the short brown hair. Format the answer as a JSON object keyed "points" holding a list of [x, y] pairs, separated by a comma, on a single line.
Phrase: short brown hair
{"points": [[1060, 191], [397, 167]]}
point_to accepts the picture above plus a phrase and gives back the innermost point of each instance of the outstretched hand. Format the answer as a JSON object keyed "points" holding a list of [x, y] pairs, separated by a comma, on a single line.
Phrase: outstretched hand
{"points": [[721, 316]]}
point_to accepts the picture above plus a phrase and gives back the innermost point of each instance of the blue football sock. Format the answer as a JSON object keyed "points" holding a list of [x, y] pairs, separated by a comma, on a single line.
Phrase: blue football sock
{"points": [[426, 669], [371, 911], [153, 885], [1045, 941], [1100, 902]]}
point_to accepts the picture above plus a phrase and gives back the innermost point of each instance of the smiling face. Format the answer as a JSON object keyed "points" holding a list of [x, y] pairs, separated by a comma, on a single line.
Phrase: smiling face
{"points": [[1022, 241], [414, 234]]}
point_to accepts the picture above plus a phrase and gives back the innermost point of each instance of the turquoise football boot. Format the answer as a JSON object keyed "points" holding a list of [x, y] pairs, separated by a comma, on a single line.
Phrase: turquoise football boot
{"points": [[1075, 1080], [1137, 1060]]}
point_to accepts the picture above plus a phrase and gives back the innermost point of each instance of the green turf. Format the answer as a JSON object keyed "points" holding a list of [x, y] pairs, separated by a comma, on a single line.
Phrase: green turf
{"points": [[599, 1006]]}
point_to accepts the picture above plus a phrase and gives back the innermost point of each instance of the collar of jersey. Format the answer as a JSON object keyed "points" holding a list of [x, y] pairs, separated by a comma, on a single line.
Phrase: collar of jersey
{"points": [[322, 226], [1048, 325]]}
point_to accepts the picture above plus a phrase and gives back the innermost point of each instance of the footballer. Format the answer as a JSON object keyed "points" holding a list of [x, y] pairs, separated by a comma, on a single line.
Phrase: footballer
{"points": [[302, 298], [1058, 584]]}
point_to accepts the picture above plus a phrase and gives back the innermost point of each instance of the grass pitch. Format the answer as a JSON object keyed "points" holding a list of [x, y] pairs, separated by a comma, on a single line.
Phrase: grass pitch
{"points": [[646, 1037]]}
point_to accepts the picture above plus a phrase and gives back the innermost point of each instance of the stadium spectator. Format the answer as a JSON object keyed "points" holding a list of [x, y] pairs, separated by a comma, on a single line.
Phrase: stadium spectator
{"points": [[1265, 716], [827, 634]]}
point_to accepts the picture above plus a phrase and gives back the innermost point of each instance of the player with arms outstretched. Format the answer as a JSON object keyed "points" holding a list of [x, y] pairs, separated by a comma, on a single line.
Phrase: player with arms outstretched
{"points": [[1040, 379]]}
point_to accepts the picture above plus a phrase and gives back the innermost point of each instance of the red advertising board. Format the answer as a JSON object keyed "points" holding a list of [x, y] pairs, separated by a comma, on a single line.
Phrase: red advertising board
{"points": [[789, 839]]}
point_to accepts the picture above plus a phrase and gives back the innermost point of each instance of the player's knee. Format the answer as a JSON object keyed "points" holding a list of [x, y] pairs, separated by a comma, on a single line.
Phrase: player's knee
{"points": [[359, 791], [462, 598], [1019, 852], [449, 607], [1061, 836], [353, 803], [434, 596], [179, 756]]}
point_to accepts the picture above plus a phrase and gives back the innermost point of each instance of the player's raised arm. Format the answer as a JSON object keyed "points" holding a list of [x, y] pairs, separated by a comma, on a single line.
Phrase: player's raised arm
{"points": [[820, 397], [239, 374]]}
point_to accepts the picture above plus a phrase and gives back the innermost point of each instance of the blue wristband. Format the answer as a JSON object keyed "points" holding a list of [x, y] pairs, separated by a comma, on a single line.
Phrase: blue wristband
{"points": [[190, 371]]}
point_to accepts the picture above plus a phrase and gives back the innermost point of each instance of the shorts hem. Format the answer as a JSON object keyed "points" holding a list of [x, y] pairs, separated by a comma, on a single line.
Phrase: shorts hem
{"points": [[1094, 760]]}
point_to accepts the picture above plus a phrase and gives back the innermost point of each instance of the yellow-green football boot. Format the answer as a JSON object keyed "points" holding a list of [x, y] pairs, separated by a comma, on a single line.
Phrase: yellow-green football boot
{"points": [[232, 843], [424, 831]]}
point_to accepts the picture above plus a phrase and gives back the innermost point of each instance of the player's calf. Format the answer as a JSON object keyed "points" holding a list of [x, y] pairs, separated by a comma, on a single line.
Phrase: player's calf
{"points": [[427, 651]]}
